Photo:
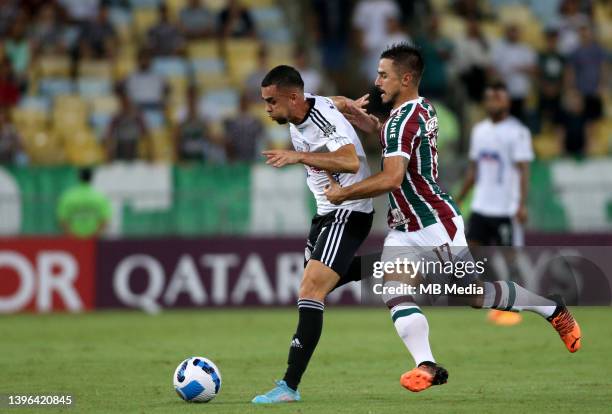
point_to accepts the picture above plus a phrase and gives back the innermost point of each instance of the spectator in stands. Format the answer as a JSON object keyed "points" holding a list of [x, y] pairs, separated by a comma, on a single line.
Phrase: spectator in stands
{"points": [[18, 49], [252, 85], [395, 33], [572, 19], [47, 32], [330, 24], [437, 51], [193, 139], [9, 86], [515, 62], [9, 9], [83, 211], [197, 21], [145, 88], [11, 151], [165, 37], [81, 11], [244, 134], [587, 73], [370, 23], [573, 131], [97, 39], [310, 75], [236, 21], [473, 60], [550, 78], [126, 131], [468, 9]]}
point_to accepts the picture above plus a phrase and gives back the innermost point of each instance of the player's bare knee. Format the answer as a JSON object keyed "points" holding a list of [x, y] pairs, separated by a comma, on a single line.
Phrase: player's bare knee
{"points": [[318, 280]]}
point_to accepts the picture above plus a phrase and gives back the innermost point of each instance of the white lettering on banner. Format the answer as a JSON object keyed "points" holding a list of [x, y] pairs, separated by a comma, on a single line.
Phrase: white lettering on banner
{"points": [[289, 271], [155, 282], [220, 264], [584, 191], [144, 187], [185, 279], [278, 205], [25, 272], [10, 204], [253, 278], [61, 282]]}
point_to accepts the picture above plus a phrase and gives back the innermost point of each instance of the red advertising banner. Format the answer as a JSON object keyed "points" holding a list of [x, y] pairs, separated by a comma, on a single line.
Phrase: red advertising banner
{"points": [[46, 274]]}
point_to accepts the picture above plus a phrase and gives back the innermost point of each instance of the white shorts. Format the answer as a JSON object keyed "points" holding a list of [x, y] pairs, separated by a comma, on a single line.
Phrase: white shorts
{"points": [[413, 244]]}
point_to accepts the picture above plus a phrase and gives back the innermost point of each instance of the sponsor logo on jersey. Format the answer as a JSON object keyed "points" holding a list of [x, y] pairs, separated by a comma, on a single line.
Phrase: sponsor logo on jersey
{"points": [[431, 124], [328, 130]]}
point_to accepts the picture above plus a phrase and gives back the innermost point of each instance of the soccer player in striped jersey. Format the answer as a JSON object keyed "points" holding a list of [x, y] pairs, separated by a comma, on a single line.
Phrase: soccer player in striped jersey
{"points": [[422, 215], [324, 141]]}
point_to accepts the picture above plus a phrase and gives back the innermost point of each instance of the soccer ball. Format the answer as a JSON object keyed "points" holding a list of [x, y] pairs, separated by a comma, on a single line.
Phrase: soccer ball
{"points": [[197, 379]]}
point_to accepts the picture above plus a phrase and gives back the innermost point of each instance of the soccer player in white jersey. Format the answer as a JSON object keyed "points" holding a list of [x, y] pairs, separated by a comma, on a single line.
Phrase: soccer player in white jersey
{"points": [[422, 215], [324, 141], [500, 153]]}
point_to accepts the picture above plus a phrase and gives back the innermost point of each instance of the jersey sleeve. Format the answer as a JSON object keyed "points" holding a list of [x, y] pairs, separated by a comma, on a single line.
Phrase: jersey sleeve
{"points": [[331, 127], [398, 135], [522, 149]]}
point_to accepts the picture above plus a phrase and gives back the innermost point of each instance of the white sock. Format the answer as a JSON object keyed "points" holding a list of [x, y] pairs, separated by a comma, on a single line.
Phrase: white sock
{"points": [[509, 296], [412, 327]]}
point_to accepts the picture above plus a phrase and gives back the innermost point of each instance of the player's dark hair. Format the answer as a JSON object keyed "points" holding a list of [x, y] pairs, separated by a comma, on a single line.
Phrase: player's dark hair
{"points": [[407, 58], [283, 76]]}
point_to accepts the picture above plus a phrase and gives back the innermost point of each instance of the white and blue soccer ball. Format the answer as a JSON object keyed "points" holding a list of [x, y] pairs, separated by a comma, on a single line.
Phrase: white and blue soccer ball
{"points": [[197, 379]]}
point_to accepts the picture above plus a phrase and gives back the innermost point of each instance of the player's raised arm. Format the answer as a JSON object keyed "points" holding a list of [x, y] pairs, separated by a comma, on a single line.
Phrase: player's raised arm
{"points": [[389, 179], [343, 160]]}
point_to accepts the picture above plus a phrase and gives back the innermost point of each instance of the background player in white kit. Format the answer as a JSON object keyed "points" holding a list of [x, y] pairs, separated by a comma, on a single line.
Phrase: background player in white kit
{"points": [[500, 153], [324, 141]]}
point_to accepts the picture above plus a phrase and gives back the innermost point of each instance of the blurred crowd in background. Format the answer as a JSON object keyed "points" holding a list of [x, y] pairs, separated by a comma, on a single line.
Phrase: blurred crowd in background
{"points": [[85, 82]]}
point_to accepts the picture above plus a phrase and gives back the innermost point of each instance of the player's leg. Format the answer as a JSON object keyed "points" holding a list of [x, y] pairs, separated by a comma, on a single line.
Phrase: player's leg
{"points": [[339, 237], [509, 296], [332, 256], [408, 319], [318, 280]]}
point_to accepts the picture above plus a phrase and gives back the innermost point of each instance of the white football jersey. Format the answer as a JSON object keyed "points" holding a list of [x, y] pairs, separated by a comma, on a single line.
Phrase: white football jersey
{"points": [[324, 129], [496, 148]]}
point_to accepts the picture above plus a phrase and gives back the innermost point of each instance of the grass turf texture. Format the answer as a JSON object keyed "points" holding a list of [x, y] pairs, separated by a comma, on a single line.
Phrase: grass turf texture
{"points": [[124, 361]]}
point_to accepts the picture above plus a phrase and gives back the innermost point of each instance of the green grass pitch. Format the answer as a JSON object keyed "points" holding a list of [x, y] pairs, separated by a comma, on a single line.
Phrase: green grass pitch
{"points": [[122, 362]]}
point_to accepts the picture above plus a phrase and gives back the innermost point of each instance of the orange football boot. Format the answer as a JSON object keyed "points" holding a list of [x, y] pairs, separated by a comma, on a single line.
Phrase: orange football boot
{"points": [[504, 318], [565, 324], [424, 376]]}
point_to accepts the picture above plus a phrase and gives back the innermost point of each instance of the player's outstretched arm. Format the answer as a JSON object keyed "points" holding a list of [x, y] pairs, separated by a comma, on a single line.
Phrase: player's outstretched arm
{"points": [[343, 160], [389, 179]]}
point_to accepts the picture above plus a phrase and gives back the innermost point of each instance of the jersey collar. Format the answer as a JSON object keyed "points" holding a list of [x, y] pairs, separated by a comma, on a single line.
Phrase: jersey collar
{"points": [[399, 108], [311, 104]]}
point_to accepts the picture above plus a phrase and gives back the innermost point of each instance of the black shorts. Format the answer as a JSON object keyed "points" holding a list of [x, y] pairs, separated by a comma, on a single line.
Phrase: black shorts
{"points": [[335, 237], [490, 231]]}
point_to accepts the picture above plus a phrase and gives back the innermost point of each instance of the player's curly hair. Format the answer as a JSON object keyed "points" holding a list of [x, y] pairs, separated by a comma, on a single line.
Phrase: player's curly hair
{"points": [[407, 58]]}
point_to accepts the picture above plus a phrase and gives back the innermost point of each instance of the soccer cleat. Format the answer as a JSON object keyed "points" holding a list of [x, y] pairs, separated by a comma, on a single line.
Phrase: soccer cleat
{"points": [[504, 318], [424, 376], [565, 324], [279, 394]]}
